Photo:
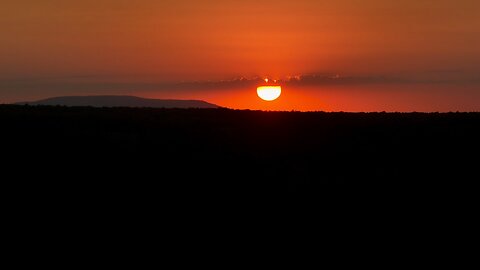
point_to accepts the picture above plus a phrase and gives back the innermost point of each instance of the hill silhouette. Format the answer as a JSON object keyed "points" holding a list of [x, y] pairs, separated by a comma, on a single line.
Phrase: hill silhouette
{"points": [[120, 101]]}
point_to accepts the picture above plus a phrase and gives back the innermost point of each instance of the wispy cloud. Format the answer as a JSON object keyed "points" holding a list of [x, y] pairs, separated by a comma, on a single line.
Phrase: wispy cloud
{"points": [[318, 79], [88, 84]]}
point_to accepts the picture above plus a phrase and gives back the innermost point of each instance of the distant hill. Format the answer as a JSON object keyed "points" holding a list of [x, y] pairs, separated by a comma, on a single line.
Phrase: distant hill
{"points": [[120, 101]]}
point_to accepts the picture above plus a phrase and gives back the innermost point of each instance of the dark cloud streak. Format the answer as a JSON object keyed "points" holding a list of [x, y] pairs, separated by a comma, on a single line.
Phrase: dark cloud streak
{"points": [[87, 85]]}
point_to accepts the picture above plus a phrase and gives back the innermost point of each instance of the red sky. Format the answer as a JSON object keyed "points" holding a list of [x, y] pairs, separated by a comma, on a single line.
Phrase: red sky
{"points": [[389, 55]]}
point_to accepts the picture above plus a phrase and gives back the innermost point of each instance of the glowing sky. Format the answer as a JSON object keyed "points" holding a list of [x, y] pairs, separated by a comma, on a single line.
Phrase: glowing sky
{"points": [[351, 55]]}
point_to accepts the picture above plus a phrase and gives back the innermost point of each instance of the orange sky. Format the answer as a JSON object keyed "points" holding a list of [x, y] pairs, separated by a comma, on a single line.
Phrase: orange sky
{"points": [[417, 55]]}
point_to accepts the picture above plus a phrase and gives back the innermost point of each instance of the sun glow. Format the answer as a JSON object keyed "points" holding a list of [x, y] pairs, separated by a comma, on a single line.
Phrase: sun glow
{"points": [[269, 93]]}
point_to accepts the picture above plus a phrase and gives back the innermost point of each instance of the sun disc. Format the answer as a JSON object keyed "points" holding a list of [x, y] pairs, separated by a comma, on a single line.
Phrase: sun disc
{"points": [[269, 93]]}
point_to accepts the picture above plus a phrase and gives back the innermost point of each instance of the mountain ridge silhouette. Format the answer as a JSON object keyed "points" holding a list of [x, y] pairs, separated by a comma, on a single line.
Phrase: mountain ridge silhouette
{"points": [[119, 101]]}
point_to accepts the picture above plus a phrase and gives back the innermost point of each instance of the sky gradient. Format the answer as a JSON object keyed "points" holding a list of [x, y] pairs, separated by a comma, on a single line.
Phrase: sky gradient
{"points": [[345, 55]]}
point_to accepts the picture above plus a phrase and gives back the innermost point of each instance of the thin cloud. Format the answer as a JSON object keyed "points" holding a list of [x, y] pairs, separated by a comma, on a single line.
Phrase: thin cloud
{"points": [[91, 85]]}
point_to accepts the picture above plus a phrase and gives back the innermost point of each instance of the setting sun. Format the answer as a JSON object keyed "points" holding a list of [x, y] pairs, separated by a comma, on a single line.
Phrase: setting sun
{"points": [[269, 93]]}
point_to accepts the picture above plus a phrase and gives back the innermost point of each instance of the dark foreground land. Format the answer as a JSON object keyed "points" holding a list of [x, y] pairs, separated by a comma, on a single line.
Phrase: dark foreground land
{"points": [[200, 154]]}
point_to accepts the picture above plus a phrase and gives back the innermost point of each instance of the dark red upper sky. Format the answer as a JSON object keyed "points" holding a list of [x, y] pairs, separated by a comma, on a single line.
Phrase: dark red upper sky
{"points": [[350, 55]]}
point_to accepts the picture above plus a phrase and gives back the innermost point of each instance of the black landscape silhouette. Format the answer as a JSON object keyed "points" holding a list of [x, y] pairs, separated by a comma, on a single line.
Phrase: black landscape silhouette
{"points": [[198, 154]]}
